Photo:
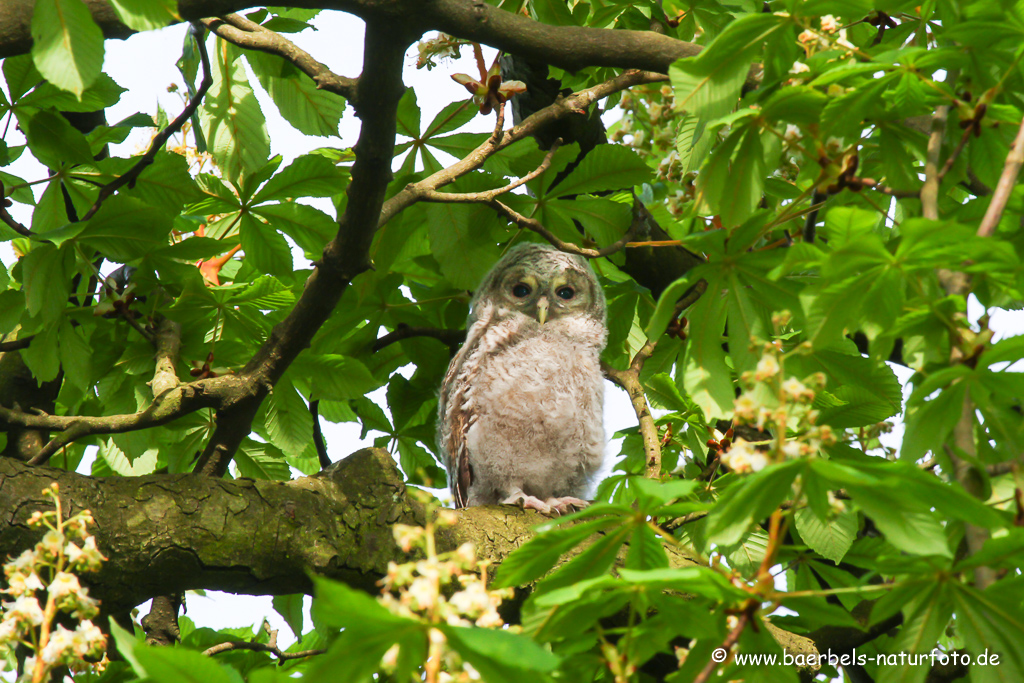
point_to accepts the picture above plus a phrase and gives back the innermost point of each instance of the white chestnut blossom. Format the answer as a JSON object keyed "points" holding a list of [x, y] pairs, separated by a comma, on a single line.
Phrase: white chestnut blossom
{"points": [[767, 367], [64, 584]]}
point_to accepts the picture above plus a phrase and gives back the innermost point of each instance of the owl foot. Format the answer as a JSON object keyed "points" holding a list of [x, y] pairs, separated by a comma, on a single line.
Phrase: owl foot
{"points": [[527, 502], [551, 506]]}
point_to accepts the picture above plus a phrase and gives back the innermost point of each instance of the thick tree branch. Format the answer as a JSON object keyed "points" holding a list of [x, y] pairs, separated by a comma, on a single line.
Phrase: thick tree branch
{"points": [[242, 32], [568, 47], [244, 536]]}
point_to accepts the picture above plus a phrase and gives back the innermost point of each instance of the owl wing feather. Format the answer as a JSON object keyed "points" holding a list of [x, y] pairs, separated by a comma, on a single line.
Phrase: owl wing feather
{"points": [[488, 334], [456, 410]]}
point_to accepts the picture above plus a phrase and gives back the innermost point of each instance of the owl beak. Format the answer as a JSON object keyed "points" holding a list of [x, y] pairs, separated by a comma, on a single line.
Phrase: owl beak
{"points": [[542, 309]]}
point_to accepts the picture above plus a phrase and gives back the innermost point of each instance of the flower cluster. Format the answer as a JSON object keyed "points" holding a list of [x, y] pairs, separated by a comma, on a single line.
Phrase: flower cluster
{"points": [[422, 590], [829, 36], [772, 401], [50, 569]]}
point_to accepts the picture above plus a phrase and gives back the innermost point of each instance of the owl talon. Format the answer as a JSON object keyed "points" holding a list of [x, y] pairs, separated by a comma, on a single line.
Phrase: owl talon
{"points": [[528, 502], [566, 504]]}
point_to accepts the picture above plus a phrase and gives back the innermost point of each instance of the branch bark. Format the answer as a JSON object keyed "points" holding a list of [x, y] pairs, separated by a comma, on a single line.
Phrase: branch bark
{"points": [[248, 34]]}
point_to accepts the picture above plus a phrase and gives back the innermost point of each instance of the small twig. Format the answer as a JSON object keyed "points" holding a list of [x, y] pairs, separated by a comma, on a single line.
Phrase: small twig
{"points": [[853, 182], [318, 436], [1004, 187], [243, 32], [450, 338], [727, 644], [261, 647], [8, 218], [488, 196], [499, 125], [630, 381], [568, 247], [956, 153], [161, 138]]}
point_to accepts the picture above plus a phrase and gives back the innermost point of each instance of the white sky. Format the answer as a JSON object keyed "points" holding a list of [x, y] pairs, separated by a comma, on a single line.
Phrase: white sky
{"points": [[144, 65]]}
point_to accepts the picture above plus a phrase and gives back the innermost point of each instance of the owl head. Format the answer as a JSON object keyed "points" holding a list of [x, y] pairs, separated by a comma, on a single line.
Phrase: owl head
{"points": [[542, 283]]}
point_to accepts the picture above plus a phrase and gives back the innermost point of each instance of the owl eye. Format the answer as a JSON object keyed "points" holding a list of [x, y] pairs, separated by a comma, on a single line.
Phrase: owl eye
{"points": [[565, 293], [521, 290]]}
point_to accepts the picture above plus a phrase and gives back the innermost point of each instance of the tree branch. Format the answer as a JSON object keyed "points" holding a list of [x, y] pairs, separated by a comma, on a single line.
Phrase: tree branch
{"points": [[567, 47], [248, 34], [534, 225], [248, 537], [630, 381], [450, 338], [1004, 187], [487, 196], [168, 406]]}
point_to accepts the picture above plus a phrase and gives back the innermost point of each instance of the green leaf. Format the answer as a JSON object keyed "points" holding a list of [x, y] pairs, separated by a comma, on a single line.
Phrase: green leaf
{"points": [[990, 625], [338, 606], [748, 173], [708, 85], [290, 609], [20, 74], [538, 555], [460, 240], [265, 248], [701, 581], [310, 175], [830, 538], [67, 45], [336, 377], [501, 656], [236, 130], [311, 228], [750, 500], [289, 424], [645, 550], [606, 167], [125, 229], [179, 665], [54, 141], [147, 15], [42, 356], [261, 461], [46, 273], [663, 392], [309, 109], [706, 377]]}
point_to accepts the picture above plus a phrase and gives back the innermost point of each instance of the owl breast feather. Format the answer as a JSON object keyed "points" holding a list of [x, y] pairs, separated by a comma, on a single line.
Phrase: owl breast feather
{"points": [[537, 415]]}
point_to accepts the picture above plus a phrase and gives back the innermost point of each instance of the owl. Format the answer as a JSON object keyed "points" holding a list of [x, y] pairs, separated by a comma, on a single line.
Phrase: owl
{"points": [[520, 411]]}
